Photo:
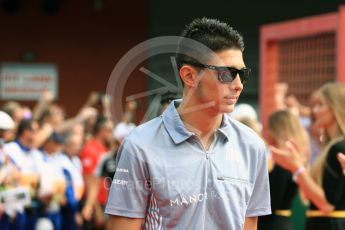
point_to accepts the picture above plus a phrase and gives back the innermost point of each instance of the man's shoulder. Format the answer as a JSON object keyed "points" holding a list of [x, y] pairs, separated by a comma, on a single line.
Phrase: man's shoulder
{"points": [[243, 129], [145, 132]]}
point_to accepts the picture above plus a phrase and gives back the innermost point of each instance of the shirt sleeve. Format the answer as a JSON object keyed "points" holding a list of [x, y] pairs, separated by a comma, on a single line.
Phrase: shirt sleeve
{"points": [[260, 202], [129, 192], [333, 178]]}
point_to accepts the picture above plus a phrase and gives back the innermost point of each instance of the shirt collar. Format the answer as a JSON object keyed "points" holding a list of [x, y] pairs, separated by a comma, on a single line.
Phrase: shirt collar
{"points": [[225, 127], [174, 124], [177, 130]]}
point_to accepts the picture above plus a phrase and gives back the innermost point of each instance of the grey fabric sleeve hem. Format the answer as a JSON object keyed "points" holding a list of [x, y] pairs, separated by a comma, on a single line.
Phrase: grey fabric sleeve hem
{"points": [[258, 212], [124, 213]]}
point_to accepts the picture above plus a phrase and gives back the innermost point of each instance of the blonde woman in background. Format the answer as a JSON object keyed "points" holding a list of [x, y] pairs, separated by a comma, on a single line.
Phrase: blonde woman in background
{"points": [[283, 126], [324, 185]]}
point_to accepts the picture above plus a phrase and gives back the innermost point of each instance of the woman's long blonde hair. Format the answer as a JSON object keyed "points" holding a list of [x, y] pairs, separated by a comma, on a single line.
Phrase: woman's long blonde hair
{"points": [[284, 126], [334, 94]]}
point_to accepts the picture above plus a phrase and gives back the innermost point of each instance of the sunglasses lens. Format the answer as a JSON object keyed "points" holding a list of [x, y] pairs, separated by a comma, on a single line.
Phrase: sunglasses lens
{"points": [[244, 75], [226, 76]]}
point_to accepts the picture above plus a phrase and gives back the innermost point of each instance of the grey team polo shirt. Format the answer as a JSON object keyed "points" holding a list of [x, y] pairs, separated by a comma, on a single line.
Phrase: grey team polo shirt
{"points": [[165, 176]]}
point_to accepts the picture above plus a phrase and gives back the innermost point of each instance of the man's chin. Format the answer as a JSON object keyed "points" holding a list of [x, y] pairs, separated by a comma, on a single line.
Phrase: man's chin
{"points": [[227, 108]]}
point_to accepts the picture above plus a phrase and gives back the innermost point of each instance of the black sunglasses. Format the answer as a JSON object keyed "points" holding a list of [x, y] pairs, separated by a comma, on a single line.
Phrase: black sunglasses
{"points": [[225, 74]]}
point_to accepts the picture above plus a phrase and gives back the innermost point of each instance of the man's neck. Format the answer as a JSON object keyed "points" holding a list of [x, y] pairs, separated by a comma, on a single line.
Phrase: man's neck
{"points": [[202, 122]]}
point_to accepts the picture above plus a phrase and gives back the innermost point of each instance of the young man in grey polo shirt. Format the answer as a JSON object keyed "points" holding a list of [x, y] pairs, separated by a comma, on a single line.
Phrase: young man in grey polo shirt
{"points": [[194, 167]]}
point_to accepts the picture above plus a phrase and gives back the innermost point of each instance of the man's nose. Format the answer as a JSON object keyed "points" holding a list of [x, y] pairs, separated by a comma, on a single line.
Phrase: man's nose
{"points": [[236, 84]]}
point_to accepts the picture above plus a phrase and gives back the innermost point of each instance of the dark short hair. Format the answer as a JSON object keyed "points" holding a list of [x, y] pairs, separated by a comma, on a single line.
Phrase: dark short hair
{"points": [[214, 34], [24, 125]]}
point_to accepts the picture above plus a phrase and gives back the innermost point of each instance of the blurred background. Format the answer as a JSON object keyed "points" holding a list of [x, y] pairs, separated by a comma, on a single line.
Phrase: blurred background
{"points": [[83, 40], [70, 48]]}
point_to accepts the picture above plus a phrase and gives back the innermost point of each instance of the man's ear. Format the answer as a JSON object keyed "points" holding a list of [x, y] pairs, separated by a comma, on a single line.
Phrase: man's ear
{"points": [[189, 75]]}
